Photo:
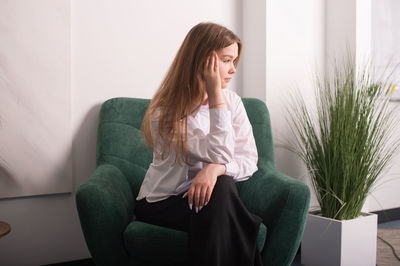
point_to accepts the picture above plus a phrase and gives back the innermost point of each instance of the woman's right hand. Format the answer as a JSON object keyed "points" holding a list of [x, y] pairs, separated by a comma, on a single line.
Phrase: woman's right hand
{"points": [[211, 74], [199, 193]]}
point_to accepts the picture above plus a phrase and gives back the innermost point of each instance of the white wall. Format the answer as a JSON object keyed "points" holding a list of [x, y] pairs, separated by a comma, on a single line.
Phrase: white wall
{"points": [[254, 59], [35, 83], [118, 48], [340, 28], [384, 46], [286, 47], [295, 51]]}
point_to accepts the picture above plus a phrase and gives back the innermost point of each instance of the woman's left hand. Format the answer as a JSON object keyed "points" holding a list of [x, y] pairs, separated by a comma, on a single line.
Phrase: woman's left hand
{"points": [[211, 74], [203, 184]]}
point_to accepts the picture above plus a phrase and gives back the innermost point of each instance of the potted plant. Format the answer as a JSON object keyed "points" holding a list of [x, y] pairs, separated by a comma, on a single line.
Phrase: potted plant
{"points": [[345, 143]]}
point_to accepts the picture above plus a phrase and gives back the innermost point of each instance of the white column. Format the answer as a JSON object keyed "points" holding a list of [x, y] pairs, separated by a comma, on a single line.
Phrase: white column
{"points": [[254, 58], [340, 30]]}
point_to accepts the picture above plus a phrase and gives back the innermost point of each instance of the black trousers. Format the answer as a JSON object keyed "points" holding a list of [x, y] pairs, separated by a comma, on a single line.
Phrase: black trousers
{"points": [[223, 233]]}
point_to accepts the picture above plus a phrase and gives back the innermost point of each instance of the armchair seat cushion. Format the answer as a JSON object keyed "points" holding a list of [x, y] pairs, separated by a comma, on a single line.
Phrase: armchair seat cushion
{"points": [[160, 244]]}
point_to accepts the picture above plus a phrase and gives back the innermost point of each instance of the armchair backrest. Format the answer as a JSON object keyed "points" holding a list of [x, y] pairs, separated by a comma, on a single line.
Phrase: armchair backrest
{"points": [[119, 139], [260, 121]]}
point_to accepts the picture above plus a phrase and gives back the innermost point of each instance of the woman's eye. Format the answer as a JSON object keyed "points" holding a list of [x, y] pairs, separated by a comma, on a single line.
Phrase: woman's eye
{"points": [[226, 61]]}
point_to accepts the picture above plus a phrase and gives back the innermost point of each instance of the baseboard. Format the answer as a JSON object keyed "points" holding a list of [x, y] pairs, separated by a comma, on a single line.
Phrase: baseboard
{"points": [[84, 262], [388, 215]]}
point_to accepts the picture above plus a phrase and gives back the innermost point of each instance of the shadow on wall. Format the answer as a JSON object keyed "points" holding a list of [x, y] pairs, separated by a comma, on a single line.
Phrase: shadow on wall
{"points": [[82, 157], [84, 147], [6, 178]]}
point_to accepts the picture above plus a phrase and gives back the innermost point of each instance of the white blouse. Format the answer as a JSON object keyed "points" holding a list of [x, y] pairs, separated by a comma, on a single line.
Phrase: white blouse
{"points": [[223, 136]]}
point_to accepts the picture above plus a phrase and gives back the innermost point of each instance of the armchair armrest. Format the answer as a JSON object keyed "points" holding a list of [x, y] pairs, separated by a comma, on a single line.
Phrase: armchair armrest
{"points": [[105, 206], [282, 202]]}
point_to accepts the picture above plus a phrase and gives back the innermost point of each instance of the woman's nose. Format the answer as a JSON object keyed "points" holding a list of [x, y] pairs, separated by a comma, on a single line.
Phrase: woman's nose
{"points": [[232, 69]]}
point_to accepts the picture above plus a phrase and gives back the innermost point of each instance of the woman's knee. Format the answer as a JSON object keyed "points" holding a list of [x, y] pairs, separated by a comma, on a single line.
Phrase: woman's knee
{"points": [[224, 193], [225, 185]]}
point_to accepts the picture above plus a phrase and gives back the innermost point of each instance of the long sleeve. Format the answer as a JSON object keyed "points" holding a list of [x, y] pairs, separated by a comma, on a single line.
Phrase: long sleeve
{"points": [[245, 156], [218, 145], [237, 151]]}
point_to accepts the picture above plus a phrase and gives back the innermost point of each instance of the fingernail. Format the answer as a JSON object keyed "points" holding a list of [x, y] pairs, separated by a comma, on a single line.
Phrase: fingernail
{"points": [[190, 206], [201, 207], [205, 204], [197, 209]]}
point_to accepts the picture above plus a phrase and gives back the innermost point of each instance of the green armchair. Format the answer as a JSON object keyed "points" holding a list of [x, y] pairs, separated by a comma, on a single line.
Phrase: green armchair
{"points": [[105, 202]]}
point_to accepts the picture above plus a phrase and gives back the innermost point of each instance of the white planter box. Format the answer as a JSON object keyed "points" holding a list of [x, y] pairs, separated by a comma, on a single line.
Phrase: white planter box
{"points": [[328, 242]]}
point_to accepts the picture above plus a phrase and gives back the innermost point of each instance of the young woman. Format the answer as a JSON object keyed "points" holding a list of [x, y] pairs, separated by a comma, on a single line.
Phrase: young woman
{"points": [[203, 143]]}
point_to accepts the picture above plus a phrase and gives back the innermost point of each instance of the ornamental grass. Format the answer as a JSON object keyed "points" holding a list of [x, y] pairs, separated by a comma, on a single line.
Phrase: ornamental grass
{"points": [[349, 140]]}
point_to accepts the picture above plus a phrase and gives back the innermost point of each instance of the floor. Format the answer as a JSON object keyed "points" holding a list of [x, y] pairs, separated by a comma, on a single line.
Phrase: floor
{"points": [[296, 262], [392, 224]]}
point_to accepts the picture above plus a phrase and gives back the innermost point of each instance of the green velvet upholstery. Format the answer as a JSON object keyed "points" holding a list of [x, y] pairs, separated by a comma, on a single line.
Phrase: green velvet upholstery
{"points": [[141, 239], [105, 202]]}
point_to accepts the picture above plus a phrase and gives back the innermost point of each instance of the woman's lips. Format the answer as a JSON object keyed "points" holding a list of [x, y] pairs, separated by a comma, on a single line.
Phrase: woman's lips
{"points": [[227, 79]]}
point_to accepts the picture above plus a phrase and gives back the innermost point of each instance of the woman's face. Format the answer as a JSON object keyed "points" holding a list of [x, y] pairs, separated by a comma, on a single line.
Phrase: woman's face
{"points": [[226, 67]]}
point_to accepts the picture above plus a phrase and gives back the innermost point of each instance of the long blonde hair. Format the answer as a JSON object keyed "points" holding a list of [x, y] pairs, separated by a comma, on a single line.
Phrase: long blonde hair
{"points": [[182, 90]]}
